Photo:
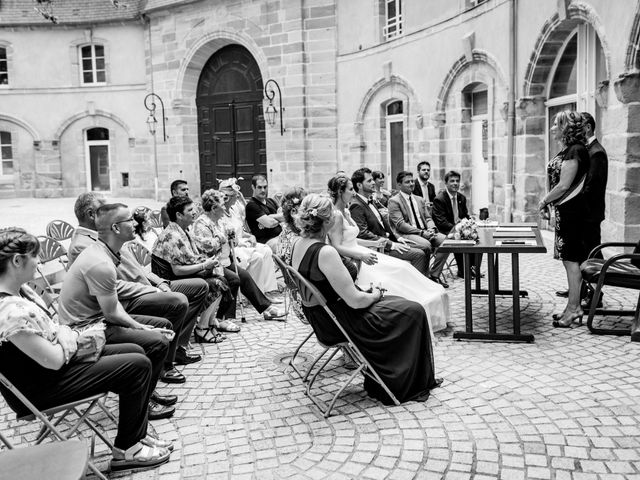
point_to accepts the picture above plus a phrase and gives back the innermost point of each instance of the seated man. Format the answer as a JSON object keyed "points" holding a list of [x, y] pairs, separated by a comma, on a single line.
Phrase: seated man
{"points": [[166, 301], [89, 296], [409, 218], [38, 355], [263, 217]]}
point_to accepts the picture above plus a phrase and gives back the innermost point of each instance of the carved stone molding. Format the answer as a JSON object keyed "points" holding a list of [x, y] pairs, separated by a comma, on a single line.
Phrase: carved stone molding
{"points": [[627, 87], [438, 119]]}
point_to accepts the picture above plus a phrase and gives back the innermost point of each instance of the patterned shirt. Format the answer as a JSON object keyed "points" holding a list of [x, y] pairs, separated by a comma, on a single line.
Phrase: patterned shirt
{"points": [[26, 313], [211, 238], [177, 247]]}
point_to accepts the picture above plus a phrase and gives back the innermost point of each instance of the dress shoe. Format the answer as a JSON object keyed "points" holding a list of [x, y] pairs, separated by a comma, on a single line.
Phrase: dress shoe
{"points": [[185, 358], [439, 281], [157, 411], [476, 272], [635, 335], [166, 400], [172, 376], [562, 293]]}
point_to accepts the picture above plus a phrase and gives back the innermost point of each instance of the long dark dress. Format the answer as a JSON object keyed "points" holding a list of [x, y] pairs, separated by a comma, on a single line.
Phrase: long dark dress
{"points": [[393, 334], [569, 216]]}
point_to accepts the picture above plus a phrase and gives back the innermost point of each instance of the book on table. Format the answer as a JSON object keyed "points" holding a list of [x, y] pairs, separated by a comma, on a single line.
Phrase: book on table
{"points": [[529, 234]]}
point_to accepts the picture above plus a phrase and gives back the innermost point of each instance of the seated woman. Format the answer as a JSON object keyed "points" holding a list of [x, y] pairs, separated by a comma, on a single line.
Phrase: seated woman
{"points": [[37, 356], [381, 195], [211, 233], [256, 258], [395, 275], [145, 235], [391, 332]]}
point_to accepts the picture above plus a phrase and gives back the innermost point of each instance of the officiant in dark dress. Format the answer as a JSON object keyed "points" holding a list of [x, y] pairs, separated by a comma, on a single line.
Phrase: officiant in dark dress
{"points": [[390, 331], [567, 173]]}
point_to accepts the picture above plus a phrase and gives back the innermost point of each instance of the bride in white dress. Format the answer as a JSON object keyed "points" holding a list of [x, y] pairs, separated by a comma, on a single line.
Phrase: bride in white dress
{"points": [[397, 276]]}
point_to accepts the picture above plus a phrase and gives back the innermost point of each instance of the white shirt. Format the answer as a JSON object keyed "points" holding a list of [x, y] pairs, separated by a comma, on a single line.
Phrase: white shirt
{"points": [[372, 208], [590, 140], [411, 199]]}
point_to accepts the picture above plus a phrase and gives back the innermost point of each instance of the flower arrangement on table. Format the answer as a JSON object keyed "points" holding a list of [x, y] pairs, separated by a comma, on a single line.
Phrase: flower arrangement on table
{"points": [[465, 229]]}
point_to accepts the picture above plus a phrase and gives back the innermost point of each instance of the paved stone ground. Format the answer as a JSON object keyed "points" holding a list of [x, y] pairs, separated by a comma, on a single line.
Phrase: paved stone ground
{"points": [[564, 407]]}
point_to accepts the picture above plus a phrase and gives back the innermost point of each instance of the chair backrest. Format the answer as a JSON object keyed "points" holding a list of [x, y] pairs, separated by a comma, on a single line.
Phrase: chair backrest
{"points": [[155, 219], [46, 296], [51, 249], [140, 252], [286, 276], [59, 230]]}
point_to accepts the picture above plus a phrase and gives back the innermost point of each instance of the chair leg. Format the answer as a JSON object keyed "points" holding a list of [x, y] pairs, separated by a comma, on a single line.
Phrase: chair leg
{"points": [[593, 310], [295, 354], [313, 364], [345, 385], [315, 376]]}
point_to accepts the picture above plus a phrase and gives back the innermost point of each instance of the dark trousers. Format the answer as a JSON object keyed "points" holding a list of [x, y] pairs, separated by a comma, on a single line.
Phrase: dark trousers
{"points": [[591, 237], [249, 289], [169, 305], [122, 369], [415, 256], [154, 344], [196, 291], [476, 260]]}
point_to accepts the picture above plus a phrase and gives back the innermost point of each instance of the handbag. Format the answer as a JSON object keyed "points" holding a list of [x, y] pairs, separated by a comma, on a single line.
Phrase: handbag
{"points": [[91, 343]]}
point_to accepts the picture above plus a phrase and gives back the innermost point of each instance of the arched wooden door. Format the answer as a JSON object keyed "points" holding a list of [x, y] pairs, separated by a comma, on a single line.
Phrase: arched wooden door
{"points": [[231, 136]]}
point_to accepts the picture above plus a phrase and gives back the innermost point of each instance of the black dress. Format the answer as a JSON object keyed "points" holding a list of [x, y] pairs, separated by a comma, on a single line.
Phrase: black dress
{"points": [[393, 334], [570, 215]]}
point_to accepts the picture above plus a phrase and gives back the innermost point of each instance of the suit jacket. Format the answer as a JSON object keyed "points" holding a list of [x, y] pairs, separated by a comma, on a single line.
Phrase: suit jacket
{"points": [[443, 211], [400, 214], [417, 190], [595, 185], [368, 224]]}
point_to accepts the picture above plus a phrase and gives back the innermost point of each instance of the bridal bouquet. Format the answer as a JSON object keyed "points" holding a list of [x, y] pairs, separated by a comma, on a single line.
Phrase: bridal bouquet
{"points": [[465, 229]]}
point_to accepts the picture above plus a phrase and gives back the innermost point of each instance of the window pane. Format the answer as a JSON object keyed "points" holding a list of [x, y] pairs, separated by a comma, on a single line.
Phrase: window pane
{"points": [[394, 108], [479, 103], [391, 10], [565, 78], [86, 51], [97, 134], [7, 168], [3, 65], [100, 63], [7, 154], [87, 77], [5, 138], [100, 77], [3, 53], [86, 65], [99, 50], [4, 79]]}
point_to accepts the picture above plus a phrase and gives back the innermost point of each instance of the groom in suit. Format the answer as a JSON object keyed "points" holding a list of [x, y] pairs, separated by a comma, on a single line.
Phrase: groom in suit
{"points": [[408, 217], [374, 225], [449, 207]]}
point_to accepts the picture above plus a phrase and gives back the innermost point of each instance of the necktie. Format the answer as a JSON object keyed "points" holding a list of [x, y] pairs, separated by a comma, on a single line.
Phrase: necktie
{"points": [[370, 200], [454, 202], [415, 215]]}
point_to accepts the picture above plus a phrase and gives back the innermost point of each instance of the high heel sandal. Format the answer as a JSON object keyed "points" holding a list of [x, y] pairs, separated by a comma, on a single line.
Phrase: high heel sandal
{"points": [[209, 336], [572, 318]]}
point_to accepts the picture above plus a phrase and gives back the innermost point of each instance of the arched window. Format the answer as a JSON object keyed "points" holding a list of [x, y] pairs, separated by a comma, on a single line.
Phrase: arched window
{"points": [[97, 155], [93, 64], [575, 75]]}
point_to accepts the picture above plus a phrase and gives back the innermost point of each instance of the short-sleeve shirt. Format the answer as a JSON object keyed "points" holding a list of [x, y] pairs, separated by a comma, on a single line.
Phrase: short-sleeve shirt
{"points": [[176, 246], [93, 274], [257, 209]]}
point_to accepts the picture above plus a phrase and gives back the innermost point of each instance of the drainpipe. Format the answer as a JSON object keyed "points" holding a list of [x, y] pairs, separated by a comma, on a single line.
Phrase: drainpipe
{"points": [[511, 111]]}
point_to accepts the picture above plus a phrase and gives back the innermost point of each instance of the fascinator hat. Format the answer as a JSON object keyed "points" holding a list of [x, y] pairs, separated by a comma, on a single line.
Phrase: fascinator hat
{"points": [[230, 183]]}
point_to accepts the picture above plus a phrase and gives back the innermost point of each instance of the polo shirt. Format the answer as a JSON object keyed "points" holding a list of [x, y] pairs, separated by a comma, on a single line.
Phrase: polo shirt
{"points": [[257, 209]]}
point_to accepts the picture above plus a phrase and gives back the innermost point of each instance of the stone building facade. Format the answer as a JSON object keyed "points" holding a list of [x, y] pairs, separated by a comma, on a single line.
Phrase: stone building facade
{"points": [[381, 83]]}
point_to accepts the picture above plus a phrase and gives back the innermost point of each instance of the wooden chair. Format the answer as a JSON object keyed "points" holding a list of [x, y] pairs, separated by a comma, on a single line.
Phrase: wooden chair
{"points": [[14, 398], [65, 460], [59, 230], [311, 297], [618, 271], [291, 299]]}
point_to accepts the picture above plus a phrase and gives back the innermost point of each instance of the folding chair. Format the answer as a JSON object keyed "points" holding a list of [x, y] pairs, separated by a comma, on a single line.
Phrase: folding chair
{"points": [[65, 460], [10, 392], [155, 219], [617, 271], [60, 230], [140, 252], [51, 250], [311, 297], [291, 294]]}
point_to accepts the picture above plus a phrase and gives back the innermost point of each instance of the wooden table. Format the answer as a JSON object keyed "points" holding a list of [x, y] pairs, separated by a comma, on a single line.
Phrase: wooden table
{"points": [[489, 245]]}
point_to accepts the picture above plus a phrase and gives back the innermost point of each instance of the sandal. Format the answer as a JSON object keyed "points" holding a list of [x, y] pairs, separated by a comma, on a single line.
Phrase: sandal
{"points": [[151, 441], [208, 336], [138, 457], [272, 313], [228, 326]]}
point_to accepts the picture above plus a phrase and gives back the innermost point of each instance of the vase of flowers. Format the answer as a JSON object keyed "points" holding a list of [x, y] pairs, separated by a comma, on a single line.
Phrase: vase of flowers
{"points": [[465, 229]]}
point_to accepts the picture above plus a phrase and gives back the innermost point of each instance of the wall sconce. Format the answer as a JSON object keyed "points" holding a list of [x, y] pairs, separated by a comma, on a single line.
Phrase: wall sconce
{"points": [[152, 122], [271, 111]]}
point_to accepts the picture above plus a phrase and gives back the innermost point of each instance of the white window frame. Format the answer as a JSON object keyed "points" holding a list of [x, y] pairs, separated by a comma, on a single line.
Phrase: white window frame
{"points": [[585, 96], [6, 63], [87, 156], [392, 22], [94, 68], [12, 159]]}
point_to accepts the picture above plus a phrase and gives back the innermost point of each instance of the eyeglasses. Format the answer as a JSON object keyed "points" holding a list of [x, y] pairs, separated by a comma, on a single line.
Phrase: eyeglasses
{"points": [[130, 219]]}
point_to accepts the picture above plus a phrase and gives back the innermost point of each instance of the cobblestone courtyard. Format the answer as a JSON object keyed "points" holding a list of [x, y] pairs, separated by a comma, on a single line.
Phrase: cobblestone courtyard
{"points": [[564, 407]]}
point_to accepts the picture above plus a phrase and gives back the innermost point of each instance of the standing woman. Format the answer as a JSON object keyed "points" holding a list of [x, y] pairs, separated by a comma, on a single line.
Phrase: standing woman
{"points": [[566, 174]]}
